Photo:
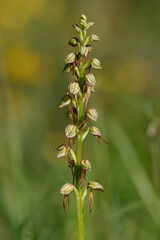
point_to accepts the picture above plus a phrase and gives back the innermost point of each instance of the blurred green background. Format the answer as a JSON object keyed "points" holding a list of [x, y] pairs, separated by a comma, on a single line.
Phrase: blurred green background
{"points": [[33, 45]]}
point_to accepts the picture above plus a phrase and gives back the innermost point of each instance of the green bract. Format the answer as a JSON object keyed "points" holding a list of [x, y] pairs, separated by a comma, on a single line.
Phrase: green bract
{"points": [[73, 156], [89, 25]]}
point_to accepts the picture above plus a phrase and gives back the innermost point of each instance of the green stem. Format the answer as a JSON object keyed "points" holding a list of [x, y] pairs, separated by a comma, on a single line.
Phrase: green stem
{"points": [[80, 209]]}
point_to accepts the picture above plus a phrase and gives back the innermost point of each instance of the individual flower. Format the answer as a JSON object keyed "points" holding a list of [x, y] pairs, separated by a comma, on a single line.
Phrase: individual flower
{"points": [[90, 79], [66, 191], [63, 150], [92, 185], [65, 101], [95, 132], [95, 63]]}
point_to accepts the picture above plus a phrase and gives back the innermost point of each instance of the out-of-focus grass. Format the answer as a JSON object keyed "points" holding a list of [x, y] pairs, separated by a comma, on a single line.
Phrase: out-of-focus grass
{"points": [[33, 44]]}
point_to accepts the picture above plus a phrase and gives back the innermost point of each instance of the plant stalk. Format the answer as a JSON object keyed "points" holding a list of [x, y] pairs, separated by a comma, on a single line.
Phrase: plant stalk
{"points": [[80, 208]]}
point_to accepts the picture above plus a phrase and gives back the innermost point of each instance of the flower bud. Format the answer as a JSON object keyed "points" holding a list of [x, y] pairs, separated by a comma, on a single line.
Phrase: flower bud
{"points": [[83, 17], [95, 63], [67, 189], [87, 64], [86, 165], [94, 37], [65, 101], [74, 88], [77, 28], [90, 79], [95, 186], [73, 42], [67, 68], [70, 58], [81, 35], [83, 23], [71, 131], [86, 41], [89, 25], [63, 150], [92, 114], [95, 131], [84, 50]]}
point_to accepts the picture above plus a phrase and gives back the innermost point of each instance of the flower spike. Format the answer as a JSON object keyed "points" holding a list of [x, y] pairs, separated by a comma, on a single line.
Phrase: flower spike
{"points": [[77, 102]]}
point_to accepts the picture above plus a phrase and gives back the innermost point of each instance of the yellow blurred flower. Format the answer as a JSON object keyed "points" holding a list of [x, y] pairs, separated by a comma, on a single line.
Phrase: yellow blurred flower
{"points": [[28, 67], [23, 65], [14, 14]]}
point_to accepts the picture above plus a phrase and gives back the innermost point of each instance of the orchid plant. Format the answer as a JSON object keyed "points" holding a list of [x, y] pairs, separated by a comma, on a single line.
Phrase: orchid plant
{"points": [[77, 101]]}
